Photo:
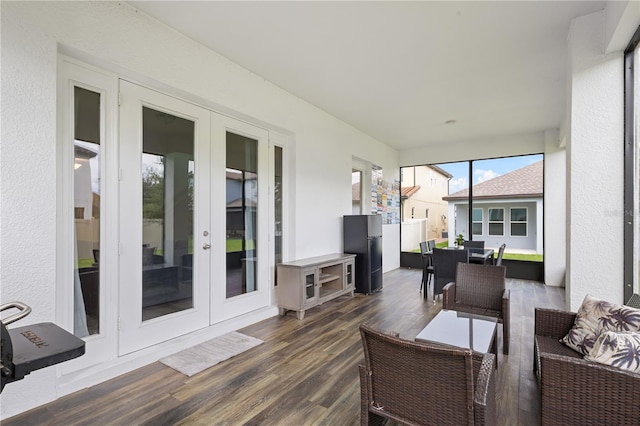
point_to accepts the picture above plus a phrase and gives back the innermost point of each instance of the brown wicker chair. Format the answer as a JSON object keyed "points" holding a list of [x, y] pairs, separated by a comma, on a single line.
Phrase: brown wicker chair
{"points": [[480, 290], [418, 383], [634, 301], [574, 391]]}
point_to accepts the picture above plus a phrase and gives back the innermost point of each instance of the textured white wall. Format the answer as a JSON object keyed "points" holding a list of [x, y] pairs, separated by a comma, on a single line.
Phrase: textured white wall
{"points": [[555, 200], [594, 166], [114, 35], [28, 191]]}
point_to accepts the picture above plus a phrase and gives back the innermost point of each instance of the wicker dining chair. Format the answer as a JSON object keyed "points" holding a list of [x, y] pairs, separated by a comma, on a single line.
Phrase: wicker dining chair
{"points": [[420, 383], [498, 261], [444, 264], [474, 247], [427, 267], [480, 290]]}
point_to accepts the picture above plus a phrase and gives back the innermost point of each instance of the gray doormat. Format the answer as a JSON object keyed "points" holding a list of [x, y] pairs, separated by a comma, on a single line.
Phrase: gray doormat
{"points": [[200, 357]]}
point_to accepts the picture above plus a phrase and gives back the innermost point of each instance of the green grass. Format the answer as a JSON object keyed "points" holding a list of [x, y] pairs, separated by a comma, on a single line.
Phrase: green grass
{"points": [[236, 245], [509, 256], [527, 257]]}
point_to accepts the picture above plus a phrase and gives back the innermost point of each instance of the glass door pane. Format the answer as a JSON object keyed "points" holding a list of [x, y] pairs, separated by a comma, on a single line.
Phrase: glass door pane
{"points": [[277, 197], [240, 195], [242, 210], [167, 213]]}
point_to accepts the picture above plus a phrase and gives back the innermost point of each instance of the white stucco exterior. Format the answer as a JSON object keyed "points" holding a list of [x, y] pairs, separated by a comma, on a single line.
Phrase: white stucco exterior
{"points": [[113, 36], [595, 152]]}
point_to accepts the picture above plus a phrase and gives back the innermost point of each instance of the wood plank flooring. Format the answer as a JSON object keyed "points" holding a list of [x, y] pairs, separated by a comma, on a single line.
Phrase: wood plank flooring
{"points": [[305, 372]]}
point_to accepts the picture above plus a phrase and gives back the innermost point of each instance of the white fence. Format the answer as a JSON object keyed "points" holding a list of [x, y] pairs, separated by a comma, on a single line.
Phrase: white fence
{"points": [[412, 233]]}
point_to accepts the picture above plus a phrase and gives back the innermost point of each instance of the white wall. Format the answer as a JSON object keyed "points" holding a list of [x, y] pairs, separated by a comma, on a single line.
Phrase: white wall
{"points": [[595, 155], [555, 196], [114, 35]]}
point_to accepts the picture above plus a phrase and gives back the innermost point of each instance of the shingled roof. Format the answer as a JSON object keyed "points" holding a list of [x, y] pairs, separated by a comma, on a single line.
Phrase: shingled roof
{"points": [[524, 182], [408, 191]]}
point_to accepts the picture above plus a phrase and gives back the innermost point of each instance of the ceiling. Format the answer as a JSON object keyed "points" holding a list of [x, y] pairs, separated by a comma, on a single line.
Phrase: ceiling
{"points": [[407, 73]]}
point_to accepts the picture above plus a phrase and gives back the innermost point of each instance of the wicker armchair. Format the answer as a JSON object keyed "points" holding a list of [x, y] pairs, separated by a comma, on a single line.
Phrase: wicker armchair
{"points": [[574, 391], [418, 383], [634, 301], [480, 290]]}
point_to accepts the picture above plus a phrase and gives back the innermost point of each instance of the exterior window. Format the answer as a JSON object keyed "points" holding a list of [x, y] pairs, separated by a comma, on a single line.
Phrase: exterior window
{"points": [[356, 191], [496, 222], [518, 222], [477, 221], [86, 200]]}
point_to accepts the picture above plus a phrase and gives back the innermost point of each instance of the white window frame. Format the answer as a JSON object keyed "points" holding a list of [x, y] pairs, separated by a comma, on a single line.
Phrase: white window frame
{"points": [[525, 222], [99, 347], [489, 222]]}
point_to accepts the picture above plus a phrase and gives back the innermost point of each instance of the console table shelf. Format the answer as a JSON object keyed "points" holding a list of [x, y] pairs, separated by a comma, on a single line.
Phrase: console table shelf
{"points": [[303, 284]]}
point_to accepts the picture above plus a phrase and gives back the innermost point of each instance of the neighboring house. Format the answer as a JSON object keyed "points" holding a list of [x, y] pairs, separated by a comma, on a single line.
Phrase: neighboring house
{"points": [[423, 188], [506, 209]]}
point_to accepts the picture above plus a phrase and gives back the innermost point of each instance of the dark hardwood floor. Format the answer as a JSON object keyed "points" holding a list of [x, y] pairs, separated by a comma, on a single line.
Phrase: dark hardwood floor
{"points": [[305, 372]]}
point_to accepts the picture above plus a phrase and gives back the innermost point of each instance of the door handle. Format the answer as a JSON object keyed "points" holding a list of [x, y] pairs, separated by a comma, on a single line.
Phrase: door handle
{"points": [[206, 246]]}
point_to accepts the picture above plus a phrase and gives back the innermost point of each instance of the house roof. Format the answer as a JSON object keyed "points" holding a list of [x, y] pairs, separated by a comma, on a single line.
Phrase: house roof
{"points": [[441, 171], [524, 182], [408, 191]]}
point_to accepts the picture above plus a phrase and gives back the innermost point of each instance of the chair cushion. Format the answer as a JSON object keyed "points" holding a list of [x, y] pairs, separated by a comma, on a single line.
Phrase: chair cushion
{"points": [[596, 316], [550, 345], [618, 349]]}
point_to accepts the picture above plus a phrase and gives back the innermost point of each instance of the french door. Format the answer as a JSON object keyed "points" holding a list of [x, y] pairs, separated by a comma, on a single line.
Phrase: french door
{"points": [[165, 235], [194, 209], [241, 253]]}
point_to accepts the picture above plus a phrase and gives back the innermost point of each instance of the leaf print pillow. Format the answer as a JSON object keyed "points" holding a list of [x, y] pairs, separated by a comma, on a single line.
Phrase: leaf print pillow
{"points": [[596, 316], [618, 349]]}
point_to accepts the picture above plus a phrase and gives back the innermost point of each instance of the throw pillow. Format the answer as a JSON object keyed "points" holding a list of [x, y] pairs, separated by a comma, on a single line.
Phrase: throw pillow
{"points": [[596, 316], [618, 349]]}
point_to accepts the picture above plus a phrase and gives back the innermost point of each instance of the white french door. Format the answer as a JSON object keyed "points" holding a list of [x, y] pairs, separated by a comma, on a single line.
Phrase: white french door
{"points": [[194, 218], [240, 197], [165, 235]]}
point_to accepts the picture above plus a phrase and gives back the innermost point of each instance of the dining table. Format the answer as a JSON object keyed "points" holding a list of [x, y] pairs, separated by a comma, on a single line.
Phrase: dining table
{"points": [[483, 256]]}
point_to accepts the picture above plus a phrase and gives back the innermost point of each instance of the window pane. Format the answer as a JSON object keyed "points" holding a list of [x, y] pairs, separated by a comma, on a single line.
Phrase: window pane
{"points": [[86, 205], [277, 195], [496, 215], [477, 215], [242, 208], [477, 228], [167, 213], [496, 229], [519, 229], [518, 215]]}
